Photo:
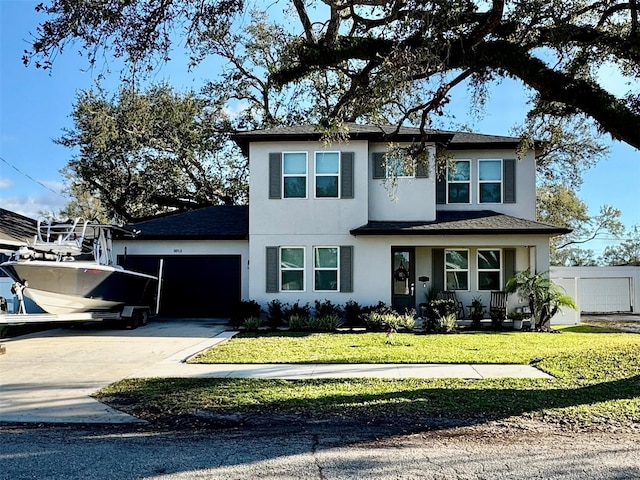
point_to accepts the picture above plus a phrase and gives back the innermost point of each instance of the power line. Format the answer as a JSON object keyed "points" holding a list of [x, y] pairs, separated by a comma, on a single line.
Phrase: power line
{"points": [[31, 178]]}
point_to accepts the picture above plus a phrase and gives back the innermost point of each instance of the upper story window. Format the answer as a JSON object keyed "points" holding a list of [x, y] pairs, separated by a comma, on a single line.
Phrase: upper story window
{"points": [[459, 182], [294, 174], [456, 267], [490, 181], [327, 174], [399, 167], [292, 269]]}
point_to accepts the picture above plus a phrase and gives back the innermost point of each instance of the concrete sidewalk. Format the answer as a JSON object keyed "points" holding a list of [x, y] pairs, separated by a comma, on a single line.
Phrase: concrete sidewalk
{"points": [[307, 371], [49, 376]]}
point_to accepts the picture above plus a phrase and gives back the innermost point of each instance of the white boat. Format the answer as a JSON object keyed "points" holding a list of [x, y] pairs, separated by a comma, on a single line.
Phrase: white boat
{"points": [[69, 268]]}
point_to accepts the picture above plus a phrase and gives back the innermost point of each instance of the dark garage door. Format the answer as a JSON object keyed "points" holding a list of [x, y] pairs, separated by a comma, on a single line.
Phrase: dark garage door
{"points": [[193, 286]]}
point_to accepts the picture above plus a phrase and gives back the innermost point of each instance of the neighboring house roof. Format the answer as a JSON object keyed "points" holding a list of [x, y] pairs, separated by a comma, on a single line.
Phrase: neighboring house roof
{"points": [[15, 229], [453, 140], [223, 222], [482, 222]]}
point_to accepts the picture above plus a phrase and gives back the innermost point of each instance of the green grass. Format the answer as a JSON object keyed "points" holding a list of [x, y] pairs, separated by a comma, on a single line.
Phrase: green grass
{"points": [[472, 347], [597, 380]]}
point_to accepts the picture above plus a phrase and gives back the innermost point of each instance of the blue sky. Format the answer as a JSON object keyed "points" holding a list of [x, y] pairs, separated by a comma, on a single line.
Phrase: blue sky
{"points": [[35, 107]]}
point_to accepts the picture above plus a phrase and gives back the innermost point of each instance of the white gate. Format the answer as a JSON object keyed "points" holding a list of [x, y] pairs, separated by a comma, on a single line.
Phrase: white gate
{"points": [[600, 295]]}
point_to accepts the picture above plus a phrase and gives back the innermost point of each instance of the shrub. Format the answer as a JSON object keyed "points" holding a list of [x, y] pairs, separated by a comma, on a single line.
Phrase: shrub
{"points": [[299, 322], [276, 313], [353, 314], [325, 323], [251, 324], [446, 324], [407, 320], [375, 321], [244, 309], [298, 310], [327, 308]]}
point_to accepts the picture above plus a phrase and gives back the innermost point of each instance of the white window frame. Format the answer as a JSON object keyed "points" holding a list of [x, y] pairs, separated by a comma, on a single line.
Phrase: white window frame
{"points": [[336, 269], [281, 269], [387, 170], [306, 176], [316, 175], [457, 182], [467, 270], [501, 181], [480, 270]]}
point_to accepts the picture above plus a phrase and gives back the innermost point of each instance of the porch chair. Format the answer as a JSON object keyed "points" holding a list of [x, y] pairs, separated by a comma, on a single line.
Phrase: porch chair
{"points": [[451, 295], [498, 305]]}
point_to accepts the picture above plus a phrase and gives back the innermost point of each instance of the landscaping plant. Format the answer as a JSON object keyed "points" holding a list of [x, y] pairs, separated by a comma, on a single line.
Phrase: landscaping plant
{"points": [[544, 297]]}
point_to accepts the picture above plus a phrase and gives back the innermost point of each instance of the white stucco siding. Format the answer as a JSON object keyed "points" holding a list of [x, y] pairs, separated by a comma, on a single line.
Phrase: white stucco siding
{"points": [[372, 263], [525, 186], [305, 215], [408, 199]]}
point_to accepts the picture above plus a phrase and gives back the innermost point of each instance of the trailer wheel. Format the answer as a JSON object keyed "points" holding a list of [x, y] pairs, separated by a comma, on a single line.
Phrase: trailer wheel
{"points": [[134, 322], [144, 317]]}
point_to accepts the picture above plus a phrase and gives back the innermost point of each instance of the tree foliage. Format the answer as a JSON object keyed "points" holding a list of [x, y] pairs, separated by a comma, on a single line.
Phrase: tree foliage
{"points": [[395, 58], [559, 205], [627, 252], [145, 153]]}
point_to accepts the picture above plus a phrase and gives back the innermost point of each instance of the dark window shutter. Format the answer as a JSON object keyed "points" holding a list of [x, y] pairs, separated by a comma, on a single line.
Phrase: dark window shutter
{"points": [[379, 170], [346, 268], [441, 190], [272, 269], [422, 169], [346, 175], [509, 174], [509, 259], [275, 175], [438, 269]]}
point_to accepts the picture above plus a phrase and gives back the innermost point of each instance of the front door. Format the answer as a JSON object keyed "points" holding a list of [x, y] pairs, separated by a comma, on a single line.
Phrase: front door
{"points": [[403, 288]]}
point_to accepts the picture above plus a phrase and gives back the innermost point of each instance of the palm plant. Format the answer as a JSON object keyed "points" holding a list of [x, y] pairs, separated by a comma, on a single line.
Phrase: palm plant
{"points": [[544, 297]]}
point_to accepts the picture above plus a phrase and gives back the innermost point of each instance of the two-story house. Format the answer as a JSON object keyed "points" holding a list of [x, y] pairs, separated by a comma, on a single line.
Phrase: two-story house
{"points": [[339, 222]]}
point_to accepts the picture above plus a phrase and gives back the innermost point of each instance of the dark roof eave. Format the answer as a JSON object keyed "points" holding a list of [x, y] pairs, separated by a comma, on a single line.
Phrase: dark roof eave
{"points": [[190, 237], [460, 231]]}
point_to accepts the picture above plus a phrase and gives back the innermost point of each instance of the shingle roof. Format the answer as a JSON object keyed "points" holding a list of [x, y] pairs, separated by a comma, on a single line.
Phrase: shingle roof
{"points": [[15, 229], [482, 222], [454, 140], [224, 222]]}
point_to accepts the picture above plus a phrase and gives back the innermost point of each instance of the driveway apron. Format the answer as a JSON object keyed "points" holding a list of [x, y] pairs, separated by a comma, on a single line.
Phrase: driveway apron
{"points": [[48, 376]]}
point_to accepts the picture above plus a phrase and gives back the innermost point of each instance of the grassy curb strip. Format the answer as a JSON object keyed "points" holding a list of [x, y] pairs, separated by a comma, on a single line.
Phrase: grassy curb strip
{"points": [[597, 384]]}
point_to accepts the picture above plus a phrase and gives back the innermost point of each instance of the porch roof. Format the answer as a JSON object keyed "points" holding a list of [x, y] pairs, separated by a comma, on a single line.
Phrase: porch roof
{"points": [[460, 222]]}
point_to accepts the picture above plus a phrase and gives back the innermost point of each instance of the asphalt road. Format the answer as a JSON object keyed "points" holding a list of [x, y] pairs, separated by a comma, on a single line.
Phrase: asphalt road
{"points": [[321, 451]]}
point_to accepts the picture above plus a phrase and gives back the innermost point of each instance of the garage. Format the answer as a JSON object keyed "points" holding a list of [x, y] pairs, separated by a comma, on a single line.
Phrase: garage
{"points": [[601, 289], [598, 295], [199, 255], [193, 286]]}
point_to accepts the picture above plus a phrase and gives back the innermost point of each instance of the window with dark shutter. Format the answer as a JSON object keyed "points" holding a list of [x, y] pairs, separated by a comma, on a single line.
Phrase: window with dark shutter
{"points": [[346, 174], [378, 167], [346, 268], [272, 261], [275, 175], [509, 175]]}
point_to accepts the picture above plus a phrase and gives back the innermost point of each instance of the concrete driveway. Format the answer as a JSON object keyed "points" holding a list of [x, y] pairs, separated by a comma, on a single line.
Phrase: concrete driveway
{"points": [[48, 376]]}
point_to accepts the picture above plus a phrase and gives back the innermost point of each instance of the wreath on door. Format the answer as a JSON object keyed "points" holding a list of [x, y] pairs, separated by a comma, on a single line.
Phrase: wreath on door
{"points": [[401, 274]]}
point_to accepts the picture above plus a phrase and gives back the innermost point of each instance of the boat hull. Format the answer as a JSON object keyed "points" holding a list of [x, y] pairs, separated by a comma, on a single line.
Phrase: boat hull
{"points": [[74, 287]]}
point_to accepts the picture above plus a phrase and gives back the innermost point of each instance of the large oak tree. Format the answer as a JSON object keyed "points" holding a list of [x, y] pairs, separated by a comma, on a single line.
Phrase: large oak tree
{"points": [[406, 55]]}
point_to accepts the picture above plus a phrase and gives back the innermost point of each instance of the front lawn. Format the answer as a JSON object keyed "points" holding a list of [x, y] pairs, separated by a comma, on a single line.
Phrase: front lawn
{"points": [[471, 347], [597, 380]]}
